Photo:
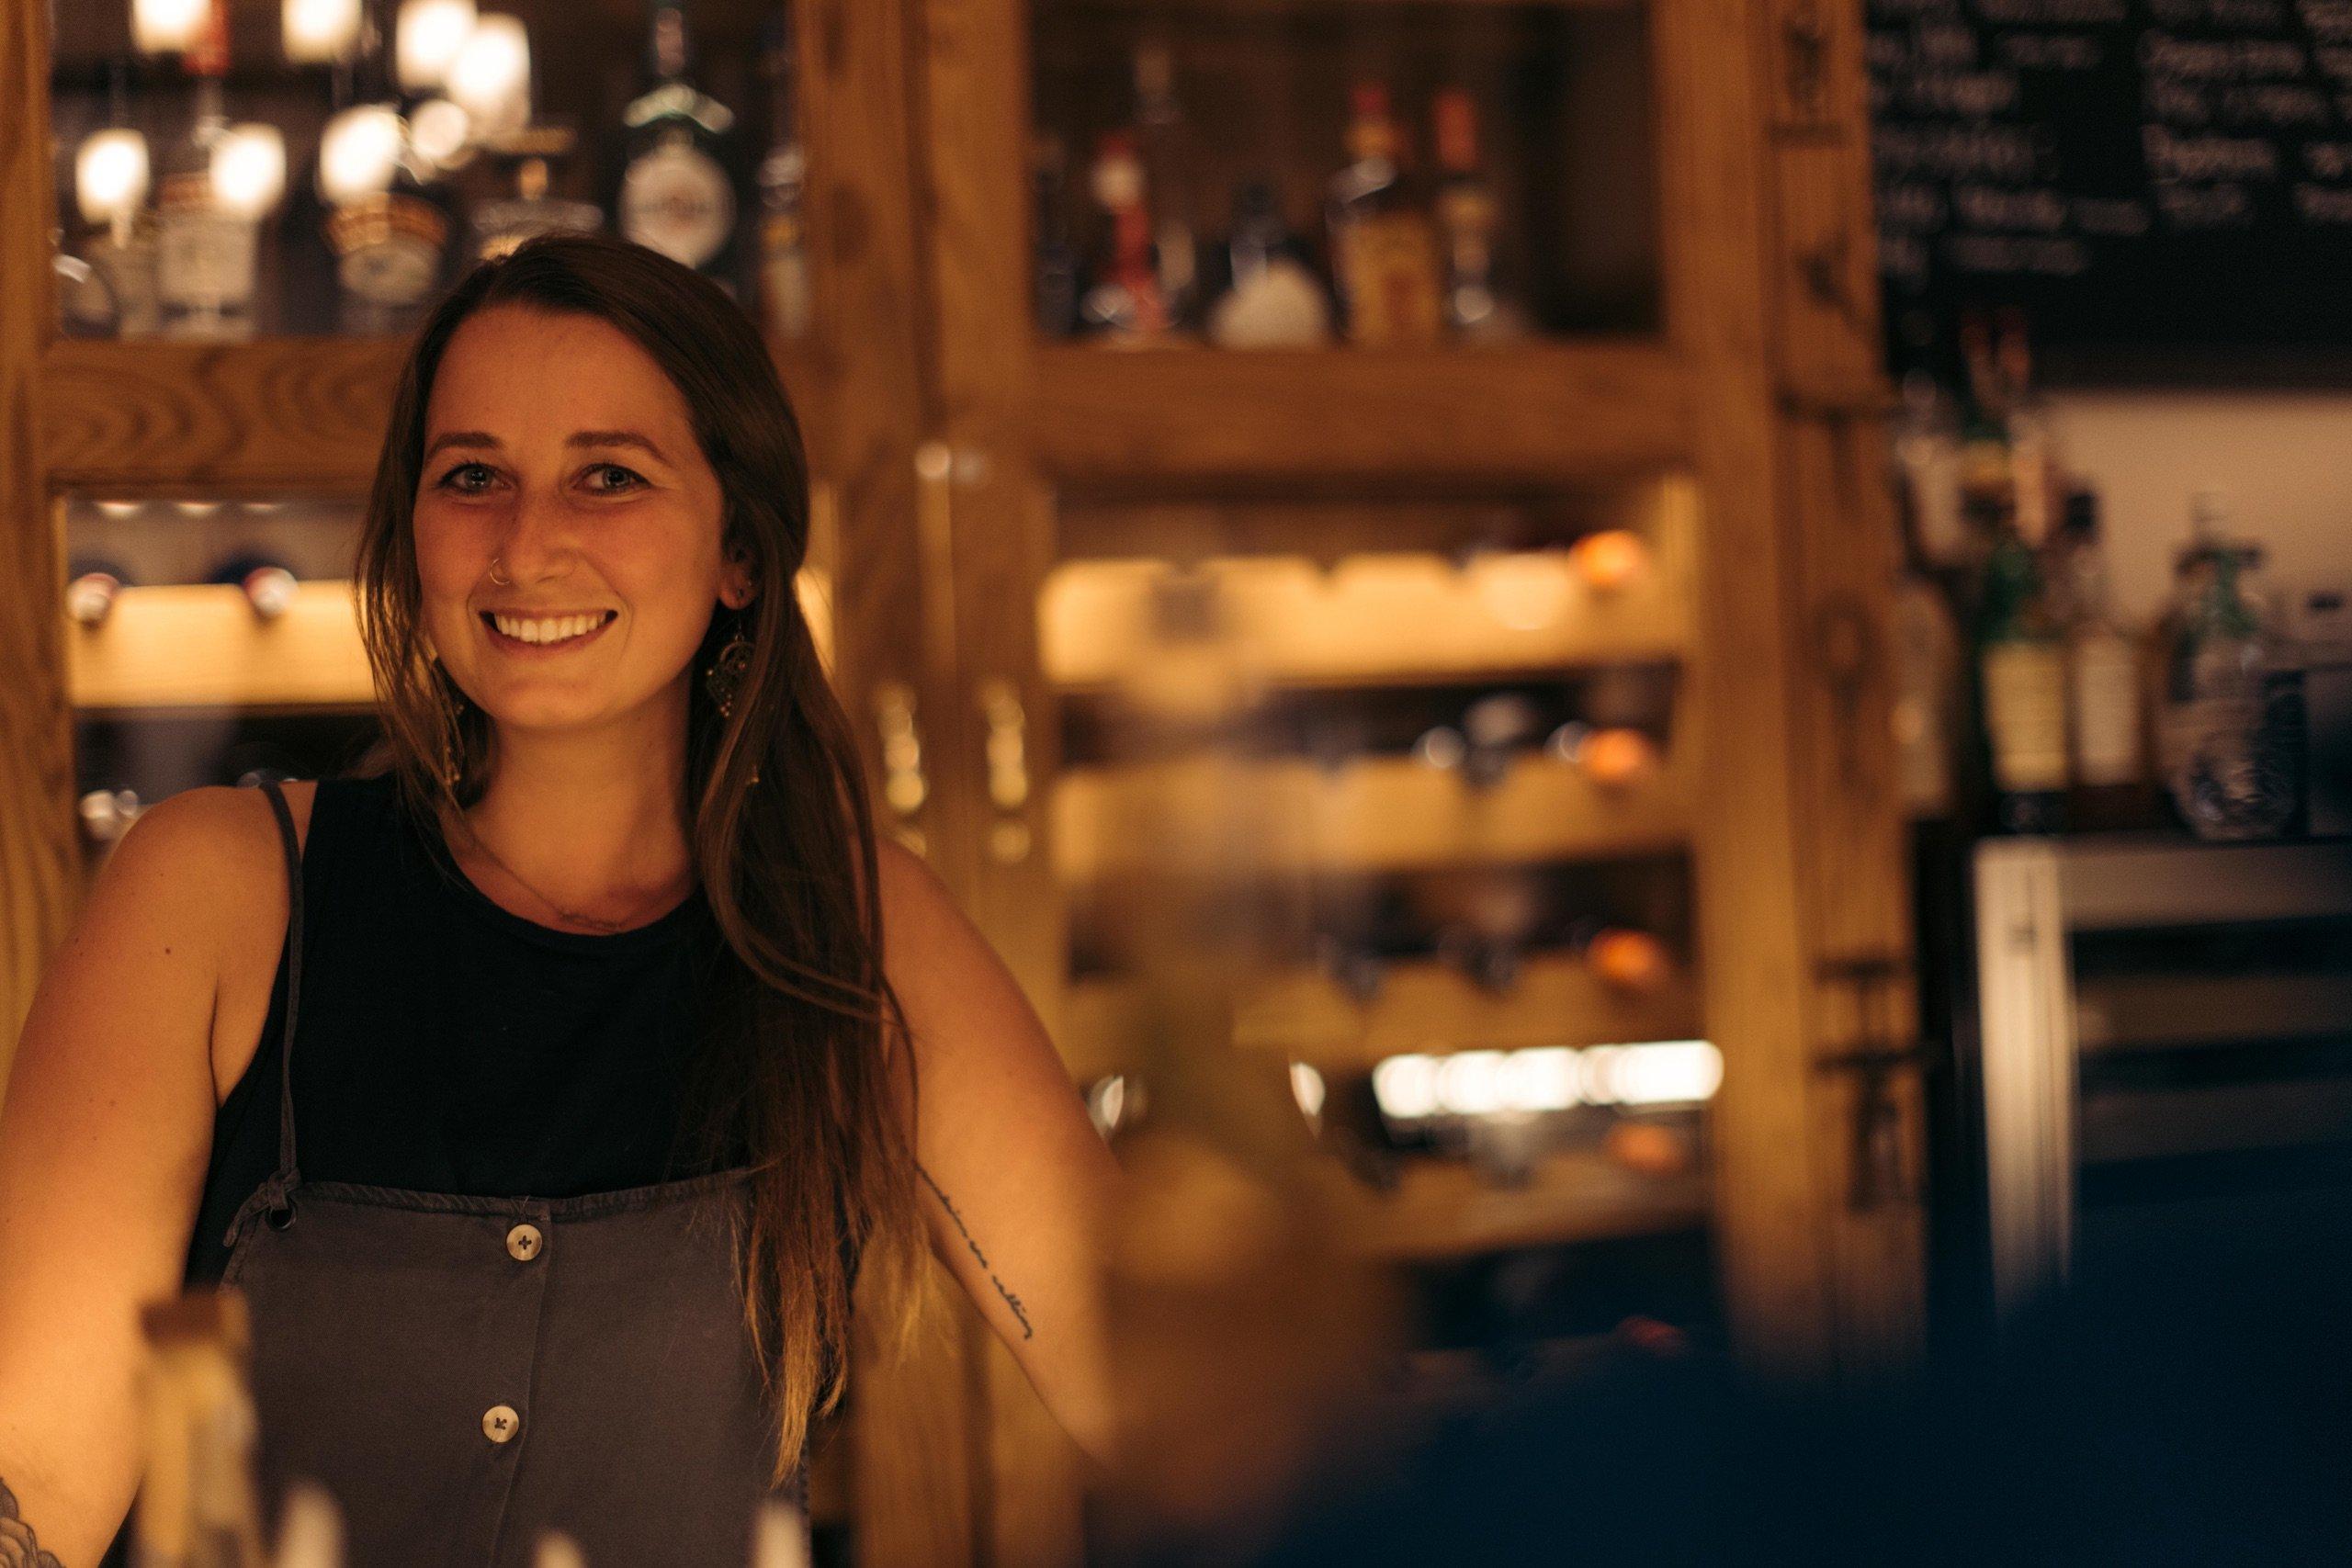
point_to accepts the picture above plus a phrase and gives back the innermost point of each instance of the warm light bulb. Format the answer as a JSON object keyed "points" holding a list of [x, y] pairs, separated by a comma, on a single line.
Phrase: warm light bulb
{"points": [[491, 78], [428, 35], [317, 32], [360, 151], [168, 27], [440, 131], [110, 174], [249, 170]]}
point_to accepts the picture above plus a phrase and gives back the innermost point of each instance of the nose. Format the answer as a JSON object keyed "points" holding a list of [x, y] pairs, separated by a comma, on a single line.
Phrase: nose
{"points": [[540, 542]]}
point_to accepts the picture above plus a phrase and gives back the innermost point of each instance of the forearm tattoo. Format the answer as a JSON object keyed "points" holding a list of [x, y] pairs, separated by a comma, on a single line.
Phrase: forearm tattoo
{"points": [[1010, 1298], [17, 1547]]}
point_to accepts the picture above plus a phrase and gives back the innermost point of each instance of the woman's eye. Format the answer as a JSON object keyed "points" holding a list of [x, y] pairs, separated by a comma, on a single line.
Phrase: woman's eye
{"points": [[611, 477], [467, 477]]}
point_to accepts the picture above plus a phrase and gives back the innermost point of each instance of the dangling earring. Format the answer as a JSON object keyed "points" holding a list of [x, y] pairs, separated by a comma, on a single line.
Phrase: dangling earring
{"points": [[445, 709], [449, 768], [724, 679]]}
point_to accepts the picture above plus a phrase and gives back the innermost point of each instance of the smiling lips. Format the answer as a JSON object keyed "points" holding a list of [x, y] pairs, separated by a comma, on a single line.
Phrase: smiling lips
{"points": [[545, 630]]}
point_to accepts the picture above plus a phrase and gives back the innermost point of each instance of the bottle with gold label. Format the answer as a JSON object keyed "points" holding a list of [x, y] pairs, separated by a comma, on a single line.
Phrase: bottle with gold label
{"points": [[2021, 672], [2105, 726], [1122, 301], [505, 222], [388, 221], [1469, 218], [677, 188], [1383, 246], [787, 301], [207, 250]]}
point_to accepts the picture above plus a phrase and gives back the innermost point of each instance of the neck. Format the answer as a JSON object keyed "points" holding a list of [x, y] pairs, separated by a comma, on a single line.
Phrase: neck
{"points": [[590, 822]]}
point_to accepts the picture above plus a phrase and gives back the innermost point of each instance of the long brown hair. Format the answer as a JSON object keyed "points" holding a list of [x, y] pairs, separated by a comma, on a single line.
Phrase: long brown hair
{"points": [[803, 1066]]}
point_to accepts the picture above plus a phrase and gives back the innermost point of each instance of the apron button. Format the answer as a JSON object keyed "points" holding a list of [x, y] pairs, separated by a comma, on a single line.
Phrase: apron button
{"points": [[523, 1241], [499, 1423]]}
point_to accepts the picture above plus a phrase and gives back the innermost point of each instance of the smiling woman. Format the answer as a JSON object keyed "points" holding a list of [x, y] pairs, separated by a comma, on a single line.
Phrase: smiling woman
{"points": [[602, 1093]]}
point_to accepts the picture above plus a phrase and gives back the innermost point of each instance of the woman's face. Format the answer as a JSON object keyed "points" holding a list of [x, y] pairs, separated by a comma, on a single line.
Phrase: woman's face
{"points": [[556, 445]]}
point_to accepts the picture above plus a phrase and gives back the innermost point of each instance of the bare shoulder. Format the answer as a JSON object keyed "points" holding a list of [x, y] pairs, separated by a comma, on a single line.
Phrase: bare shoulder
{"points": [[932, 950], [208, 865], [253, 904]]}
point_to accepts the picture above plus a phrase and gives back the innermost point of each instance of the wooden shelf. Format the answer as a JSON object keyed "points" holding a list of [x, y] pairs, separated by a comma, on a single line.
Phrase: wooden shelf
{"points": [[200, 645], [1557, 410], [1421, 1005], [1377, 815], [185, 419], [271, 415], [1399, 618], [1443, 1209]]}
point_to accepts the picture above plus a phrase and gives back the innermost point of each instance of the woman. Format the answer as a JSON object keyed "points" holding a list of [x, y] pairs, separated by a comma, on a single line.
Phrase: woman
{"points": [[545, 1090]]}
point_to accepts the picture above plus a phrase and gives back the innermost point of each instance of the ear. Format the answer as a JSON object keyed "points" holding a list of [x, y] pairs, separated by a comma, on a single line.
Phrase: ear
{"points": [[735, 589]]}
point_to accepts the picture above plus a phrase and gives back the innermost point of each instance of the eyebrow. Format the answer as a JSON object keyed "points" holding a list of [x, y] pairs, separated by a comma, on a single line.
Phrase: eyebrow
{"points": [[484, 439]]}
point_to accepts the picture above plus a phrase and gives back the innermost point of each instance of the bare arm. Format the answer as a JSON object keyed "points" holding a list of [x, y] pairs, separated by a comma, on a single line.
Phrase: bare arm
{"points": [[1016, 1182], [103, 1136]]}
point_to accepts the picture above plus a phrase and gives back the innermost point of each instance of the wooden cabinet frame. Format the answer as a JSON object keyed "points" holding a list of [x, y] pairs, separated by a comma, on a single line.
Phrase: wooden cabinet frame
{"points": [[941, 430]]}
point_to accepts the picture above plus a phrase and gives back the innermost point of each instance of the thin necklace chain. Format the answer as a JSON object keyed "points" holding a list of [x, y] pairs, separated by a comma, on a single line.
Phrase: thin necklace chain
{"points": [[602, 925]]}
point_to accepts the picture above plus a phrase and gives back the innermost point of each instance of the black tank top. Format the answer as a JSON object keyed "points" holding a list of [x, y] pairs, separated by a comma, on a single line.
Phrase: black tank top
{"points": [[448, 1044]]}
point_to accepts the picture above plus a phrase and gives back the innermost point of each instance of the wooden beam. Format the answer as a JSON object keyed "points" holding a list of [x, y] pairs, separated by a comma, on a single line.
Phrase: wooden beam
{"points": [[40, 872]]}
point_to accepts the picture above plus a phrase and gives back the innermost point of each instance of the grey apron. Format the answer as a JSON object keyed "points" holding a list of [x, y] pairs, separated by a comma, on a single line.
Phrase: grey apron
{"points": [[465, 1372]]}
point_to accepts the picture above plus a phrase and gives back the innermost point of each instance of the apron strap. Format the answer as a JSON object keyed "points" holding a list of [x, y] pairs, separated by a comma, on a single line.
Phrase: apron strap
{"points": [[275, 1196]]}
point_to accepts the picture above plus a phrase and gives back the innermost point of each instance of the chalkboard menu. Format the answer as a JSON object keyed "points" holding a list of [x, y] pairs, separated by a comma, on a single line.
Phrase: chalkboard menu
{"points": [[2138, 175]]}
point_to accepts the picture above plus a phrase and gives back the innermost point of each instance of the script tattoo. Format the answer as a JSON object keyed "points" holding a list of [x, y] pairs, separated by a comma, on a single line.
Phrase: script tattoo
{"points": [[1010, 1298], [17, 1547]]}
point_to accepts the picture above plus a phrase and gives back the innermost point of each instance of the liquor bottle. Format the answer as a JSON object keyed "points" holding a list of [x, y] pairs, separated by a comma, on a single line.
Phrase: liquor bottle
{"points": [[505, 222], [1490, 961], [1270, 298], [1164, 143], [785, 289], [207, 252], [677, 190], [1383, 248], [1057, 289], [111, 181], [1633, 962], [1353, 964], [1987, 477], [1614, 757], [1123, 301], [388, 221], [196, 1506], [1926, 444], [2035, 460], [2105, 725], [90, 589], [1467, 217], [2226, 741], [269, 584], [1496, 728], [2021, 672], [1926, 665], [107, 815]]}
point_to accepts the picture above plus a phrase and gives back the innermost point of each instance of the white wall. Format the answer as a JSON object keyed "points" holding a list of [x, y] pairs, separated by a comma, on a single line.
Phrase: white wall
{"points": [[2283, 461]]}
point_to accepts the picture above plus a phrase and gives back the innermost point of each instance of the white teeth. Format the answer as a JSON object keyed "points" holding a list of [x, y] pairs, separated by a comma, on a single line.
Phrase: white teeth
{"points": [[557, 628]]}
